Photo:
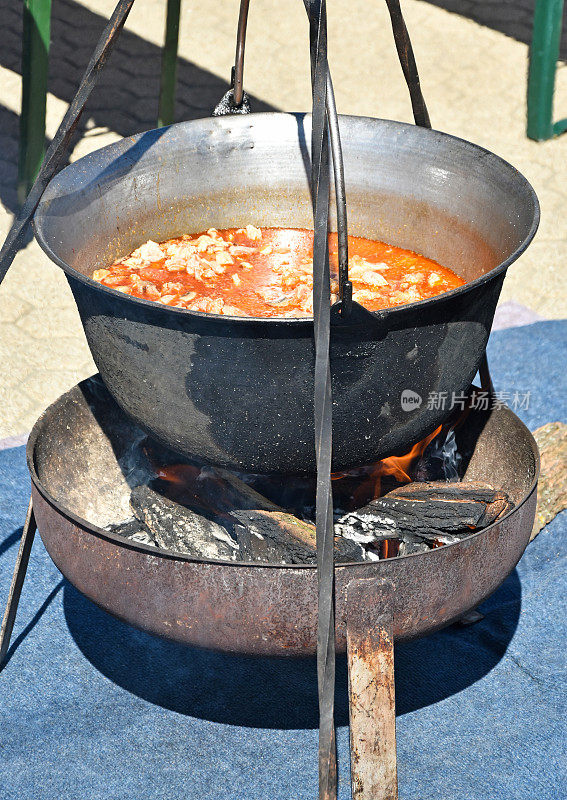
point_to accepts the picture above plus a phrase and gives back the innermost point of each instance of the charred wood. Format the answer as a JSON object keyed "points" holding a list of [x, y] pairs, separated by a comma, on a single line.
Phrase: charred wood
{"points": [[134, 530], [439, 512], [179, 529], [242, 496], [410, 519], [261, 532], [208, 490]]}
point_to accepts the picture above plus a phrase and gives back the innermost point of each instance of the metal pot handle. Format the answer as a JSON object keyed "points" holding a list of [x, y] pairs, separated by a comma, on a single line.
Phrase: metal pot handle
{"points": [[236, 101], [239, 100]]}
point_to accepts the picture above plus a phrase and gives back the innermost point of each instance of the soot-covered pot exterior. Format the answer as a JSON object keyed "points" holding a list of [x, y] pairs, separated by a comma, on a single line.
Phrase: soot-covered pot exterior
{"points": [[239, 392]]}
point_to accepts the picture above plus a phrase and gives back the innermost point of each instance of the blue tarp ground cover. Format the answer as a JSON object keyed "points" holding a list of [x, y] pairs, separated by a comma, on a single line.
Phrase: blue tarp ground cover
{"points": [[92, 709]]}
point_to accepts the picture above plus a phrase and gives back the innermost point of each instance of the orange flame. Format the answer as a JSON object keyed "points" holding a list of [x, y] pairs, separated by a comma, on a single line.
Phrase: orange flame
{"points": [[184, 485], [399, 466], [396, 466], [360, 486]]}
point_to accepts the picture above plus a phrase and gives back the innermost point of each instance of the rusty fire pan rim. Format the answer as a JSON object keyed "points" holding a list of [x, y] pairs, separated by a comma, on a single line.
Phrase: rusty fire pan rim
{"points": [[121, 147], [43, 421]]}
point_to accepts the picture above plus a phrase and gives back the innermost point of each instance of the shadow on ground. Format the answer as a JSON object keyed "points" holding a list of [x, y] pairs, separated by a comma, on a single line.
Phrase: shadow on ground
{"points": [[126, 98], [9, 135], [282, 693], [512, 17]]}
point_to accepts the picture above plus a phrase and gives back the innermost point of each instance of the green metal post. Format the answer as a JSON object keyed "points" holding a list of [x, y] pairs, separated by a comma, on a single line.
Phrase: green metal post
{"points": [[166, 109], [544, 53], [35, 66]]}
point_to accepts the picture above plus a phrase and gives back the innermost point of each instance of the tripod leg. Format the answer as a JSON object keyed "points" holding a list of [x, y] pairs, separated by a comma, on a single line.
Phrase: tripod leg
{"points": [[485, 377], [18, 578], [370, 652]]}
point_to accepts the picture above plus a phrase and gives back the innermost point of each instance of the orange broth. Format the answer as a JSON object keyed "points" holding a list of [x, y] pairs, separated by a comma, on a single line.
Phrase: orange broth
{"points": [[269, 273]]}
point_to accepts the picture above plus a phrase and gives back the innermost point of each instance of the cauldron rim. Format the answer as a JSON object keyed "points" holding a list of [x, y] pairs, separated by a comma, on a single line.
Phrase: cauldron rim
{"points": [[43, 420], [291, 321]]}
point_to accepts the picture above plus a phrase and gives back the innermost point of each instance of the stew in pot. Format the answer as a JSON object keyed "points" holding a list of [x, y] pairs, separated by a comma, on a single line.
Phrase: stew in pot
{"points": [[269, 273]]}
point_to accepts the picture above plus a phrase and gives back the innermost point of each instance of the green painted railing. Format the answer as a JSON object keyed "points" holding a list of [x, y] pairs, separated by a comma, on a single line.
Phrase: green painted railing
{"points": [[544, 53], [166, 111], [35, 67]]}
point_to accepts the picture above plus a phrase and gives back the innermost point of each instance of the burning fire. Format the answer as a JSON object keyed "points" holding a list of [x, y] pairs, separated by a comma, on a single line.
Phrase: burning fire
{"points": [[398, 467], [181, 474], [196, 485], [188, 485]]}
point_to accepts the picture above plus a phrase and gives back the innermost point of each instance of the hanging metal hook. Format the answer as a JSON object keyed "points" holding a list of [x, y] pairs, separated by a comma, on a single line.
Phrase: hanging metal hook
{"points": [[235, 101], [238, 75], [407, 63]]}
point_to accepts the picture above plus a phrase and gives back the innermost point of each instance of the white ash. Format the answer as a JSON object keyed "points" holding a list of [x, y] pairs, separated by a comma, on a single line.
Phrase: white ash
{"points": [[365, 526], [143, 538], [180, 529]]}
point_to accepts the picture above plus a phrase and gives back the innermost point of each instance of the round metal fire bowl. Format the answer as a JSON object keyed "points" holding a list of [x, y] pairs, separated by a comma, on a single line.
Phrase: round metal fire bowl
{"points": [[78, 485], [238, 391]]}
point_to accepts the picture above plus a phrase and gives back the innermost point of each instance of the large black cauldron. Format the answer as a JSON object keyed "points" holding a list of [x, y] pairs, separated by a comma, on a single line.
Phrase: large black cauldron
{"points": [[239, 392]]}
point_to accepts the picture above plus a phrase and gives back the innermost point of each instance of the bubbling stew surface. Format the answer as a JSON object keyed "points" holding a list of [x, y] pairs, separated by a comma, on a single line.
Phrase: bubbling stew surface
{"points": [[269, 273]]}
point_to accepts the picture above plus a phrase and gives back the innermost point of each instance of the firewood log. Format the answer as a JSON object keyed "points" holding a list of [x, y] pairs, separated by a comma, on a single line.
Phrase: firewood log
{"points": [[133, 529], [552, 485], [292, 537], [436, 511], [179, 529]]}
